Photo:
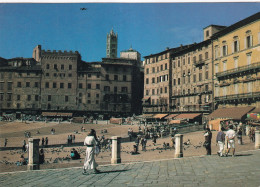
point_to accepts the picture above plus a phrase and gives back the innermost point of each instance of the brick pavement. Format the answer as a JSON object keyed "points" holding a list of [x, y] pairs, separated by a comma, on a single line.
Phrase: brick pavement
{"points": [[242, 170]]}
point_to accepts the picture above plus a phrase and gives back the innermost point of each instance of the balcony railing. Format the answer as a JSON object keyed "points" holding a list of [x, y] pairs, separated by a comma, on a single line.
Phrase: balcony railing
{"points": [[239, 70], [199, 62], [238, 96]]}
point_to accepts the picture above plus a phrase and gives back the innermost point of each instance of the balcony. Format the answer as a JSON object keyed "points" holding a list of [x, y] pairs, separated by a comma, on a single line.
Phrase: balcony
{"points": [[243, 69], [199, 62], [238, 97]]}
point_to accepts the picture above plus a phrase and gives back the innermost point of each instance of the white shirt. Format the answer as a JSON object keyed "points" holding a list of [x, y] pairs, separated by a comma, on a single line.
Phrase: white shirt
{"points": [[230, 134], [90, 140]]}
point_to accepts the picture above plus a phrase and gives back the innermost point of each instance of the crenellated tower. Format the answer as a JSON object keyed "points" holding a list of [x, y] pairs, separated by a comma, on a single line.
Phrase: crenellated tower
{"points": [[111, 44]]}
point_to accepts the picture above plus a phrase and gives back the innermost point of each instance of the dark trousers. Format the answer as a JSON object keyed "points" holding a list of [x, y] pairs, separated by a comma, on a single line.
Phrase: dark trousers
{"points": [[208, 149]]}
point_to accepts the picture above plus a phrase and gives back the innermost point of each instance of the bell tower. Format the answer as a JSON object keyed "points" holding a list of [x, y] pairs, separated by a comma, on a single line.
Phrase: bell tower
{"points": [[111, 44]]}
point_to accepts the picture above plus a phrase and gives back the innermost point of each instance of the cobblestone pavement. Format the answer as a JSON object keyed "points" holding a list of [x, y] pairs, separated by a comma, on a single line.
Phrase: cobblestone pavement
{"points": [[242, 170]]}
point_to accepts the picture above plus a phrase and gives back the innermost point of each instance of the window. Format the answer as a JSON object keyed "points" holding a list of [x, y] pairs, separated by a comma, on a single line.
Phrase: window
{"points": [[216, 51], [224, 65], [80, 94], [46, 84], [183, 61], [80, 85], [69, 85], [55, 74], [107, 77], [49, 97], [106, 88], [70, 67], [62, 67], [194, 59], [66, 98], [19, 84], [194, 78], [165, 66], [174, 82], [207, 33], [179, 81], [248, 58], [55, 66], [18, 105], [36, 84], [200, 76], [249, 41], [161, 67], [236, 46], [147, 71], [28, 97], [153, 91], [161, 90], [153, 69], [47, 74], [10, 75], [115, 77], [153, 80], [200, 57], [97, 102], [115, 89], [98, 86], [147, 81], [70, 75], [147, 92], [216, 68], [89, 95], [89, 86], [61, 85], [224, 50], [206, 75], [97, 95], [1, 96], [18, 97], [165, 90], [179, 63], [124, 78], [47, 66], [189, 60], [206, 55], [89, 102], [27, 84], [36, 97], [9, 97]]}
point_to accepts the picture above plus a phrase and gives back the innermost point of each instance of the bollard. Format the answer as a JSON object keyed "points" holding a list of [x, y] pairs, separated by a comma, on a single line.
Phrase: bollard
{"points": [[178, 146], [116, 149], [257, 139], [33, 160]]}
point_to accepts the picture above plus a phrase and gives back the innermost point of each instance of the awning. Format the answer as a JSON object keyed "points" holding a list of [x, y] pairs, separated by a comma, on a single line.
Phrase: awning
{"points": [[147, 115], [175, 121], [187, 116], [171, 116], [56, 114], [159, 116], [235, 113], [146, 98]]}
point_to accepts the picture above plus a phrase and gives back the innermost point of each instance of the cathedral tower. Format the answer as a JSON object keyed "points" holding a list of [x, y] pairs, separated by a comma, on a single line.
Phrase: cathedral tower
{"points": [[112, 45]]}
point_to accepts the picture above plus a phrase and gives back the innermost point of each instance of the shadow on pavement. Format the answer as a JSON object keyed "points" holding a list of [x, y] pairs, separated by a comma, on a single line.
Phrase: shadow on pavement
{"points": [[243, 155], [103, 172]]}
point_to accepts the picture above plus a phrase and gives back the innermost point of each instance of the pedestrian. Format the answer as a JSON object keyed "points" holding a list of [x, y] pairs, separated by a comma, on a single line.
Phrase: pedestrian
{"points": [[46, 141], [90, 163], [137, 140], [220, 140], [239, 136], [154, 139], [43, 141], [207, 143], [230, 135], [73, 138], [5, 142]]}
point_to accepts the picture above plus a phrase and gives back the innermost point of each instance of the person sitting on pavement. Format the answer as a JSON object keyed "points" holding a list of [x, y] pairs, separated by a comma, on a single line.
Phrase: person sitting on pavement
{"points": [[74, 154]]}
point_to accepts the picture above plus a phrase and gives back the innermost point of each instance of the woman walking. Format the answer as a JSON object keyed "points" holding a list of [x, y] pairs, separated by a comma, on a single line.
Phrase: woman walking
{"points": [[90, 142]]}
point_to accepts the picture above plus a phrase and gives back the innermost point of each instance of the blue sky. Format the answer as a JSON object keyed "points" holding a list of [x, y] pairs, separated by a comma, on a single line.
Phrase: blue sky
{"points": [[148, 27]]}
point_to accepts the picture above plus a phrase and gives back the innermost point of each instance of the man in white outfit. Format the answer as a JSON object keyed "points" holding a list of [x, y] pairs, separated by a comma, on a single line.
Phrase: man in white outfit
{"points": [[90, 142], [230, 135]]}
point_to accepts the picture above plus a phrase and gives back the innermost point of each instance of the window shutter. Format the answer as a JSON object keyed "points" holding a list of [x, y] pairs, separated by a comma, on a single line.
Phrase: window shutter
{"points": [[232, 47], [245, 43], [259, 38], [221, 52], [226, 49], [251, 41], [238, 43]]}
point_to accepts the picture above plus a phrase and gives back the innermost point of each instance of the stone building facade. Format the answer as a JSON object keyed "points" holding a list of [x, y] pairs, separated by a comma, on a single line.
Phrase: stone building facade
{"points": [[60, 81], [237, 64], [220, 71]]}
